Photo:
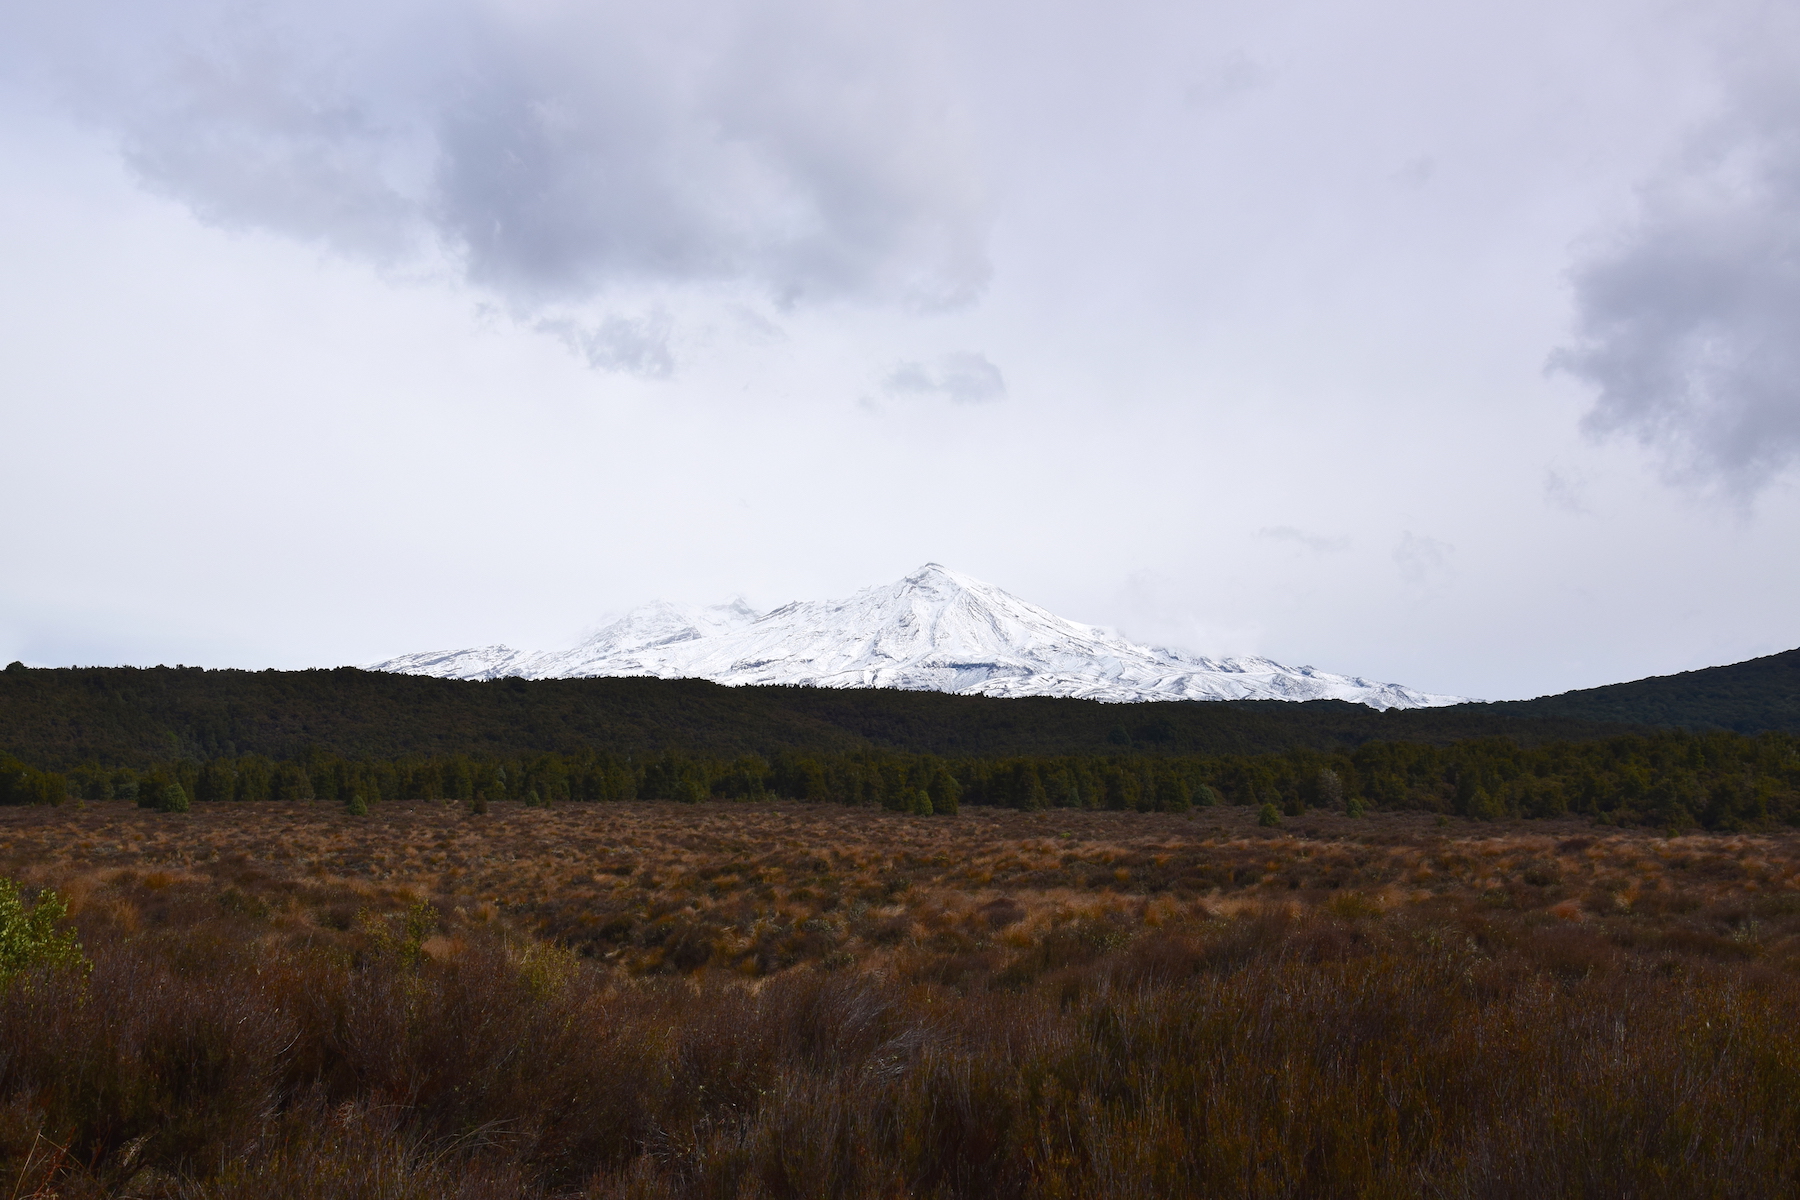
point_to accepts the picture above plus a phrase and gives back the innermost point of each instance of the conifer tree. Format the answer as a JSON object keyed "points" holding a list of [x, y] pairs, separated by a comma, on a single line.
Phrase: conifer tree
{"points": [[1331, 788], [945, 793]]}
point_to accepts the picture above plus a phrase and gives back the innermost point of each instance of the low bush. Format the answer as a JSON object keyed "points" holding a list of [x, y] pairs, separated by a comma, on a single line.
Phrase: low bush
{"points": [[33, 937], [795, 1002]]}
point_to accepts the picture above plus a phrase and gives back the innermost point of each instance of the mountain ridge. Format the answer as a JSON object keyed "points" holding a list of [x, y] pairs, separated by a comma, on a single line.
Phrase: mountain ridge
{"points": [[932, 630]]}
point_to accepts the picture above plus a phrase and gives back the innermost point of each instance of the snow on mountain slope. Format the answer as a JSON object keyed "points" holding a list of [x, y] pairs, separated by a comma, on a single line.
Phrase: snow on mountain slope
{"points": [[483, 662], [935, 630], [658, 623]]}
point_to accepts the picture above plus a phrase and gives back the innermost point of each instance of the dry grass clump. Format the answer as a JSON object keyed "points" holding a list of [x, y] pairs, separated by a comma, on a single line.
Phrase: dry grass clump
{"points": [[726, 1000], [750, 890]]}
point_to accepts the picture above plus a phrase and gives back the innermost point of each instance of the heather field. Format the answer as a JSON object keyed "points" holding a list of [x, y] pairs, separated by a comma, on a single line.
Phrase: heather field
{"points": [[786, 999]]}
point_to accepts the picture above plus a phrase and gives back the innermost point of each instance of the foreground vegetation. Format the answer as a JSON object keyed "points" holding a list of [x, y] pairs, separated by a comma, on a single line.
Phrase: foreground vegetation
{"points": [[785, 999]]}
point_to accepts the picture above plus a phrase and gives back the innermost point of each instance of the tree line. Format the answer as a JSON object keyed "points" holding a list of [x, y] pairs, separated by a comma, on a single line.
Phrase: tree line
{"points": [[136, 717], [1677, 779]]}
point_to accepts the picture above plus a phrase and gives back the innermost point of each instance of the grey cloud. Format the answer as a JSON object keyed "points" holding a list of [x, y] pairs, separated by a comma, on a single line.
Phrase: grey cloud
{"points": [[556, 150], [965, 377], [1423, 560], [1688, 323], [1566, 491], [1225, 81], [637, 346], [1417, 173], [1317, 543], [313, 173]]}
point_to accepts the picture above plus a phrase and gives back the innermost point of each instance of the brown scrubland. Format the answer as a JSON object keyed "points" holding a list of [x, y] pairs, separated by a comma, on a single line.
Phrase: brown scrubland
{"points": [[785, 999]]}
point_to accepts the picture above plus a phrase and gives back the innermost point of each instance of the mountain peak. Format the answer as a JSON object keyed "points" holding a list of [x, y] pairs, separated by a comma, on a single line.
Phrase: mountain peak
{"points": [[937, 575], [932, 630]]}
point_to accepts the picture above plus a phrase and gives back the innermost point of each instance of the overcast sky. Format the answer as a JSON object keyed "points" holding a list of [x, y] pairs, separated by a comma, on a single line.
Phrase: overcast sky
{"points": [[1450, 344]]}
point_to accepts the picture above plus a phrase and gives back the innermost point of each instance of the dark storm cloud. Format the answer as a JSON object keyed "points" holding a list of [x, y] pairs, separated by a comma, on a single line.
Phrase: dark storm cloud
{"points": [[555, 150], [1689, 323]]}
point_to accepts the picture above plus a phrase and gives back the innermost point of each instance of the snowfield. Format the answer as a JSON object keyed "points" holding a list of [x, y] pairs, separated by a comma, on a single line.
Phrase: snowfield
{"points": [[935, 630]]}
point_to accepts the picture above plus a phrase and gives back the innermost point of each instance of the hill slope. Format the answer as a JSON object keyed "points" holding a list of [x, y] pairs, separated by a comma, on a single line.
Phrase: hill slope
{"points": [[1748, 697]]}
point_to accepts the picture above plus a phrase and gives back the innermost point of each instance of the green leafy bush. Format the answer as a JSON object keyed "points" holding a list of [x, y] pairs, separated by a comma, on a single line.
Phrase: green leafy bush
{"points": [[29, 936]]}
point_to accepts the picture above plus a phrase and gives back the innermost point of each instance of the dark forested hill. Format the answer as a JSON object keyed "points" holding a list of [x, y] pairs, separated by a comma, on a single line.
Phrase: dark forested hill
{"points": [[132, 716], [129, 715], [1747, 697]]}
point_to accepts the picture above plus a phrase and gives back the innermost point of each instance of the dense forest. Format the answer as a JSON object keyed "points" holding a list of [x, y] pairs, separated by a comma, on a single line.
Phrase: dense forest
{"points": [[126, 716], [173, 735], [1748, 697], [1670, 779]]}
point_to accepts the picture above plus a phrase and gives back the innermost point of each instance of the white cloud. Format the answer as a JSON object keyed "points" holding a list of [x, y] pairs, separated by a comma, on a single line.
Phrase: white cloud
{"points": [[1316, 542]]}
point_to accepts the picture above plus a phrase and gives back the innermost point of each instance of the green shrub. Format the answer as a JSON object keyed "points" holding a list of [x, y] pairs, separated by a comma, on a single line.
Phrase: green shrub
{"points": [[29, 937], [1486, 806], [172, 799], [1269, 817], [358, 807], [407, 942], [20, 784], [945, 793]]}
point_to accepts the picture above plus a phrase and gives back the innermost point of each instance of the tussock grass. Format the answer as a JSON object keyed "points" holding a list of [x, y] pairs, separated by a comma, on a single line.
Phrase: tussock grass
{"points": [[789, 1000]]}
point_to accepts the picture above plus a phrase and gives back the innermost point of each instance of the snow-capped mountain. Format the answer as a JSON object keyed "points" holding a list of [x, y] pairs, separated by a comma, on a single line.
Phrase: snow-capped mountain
{"points": [[934, 630]]}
